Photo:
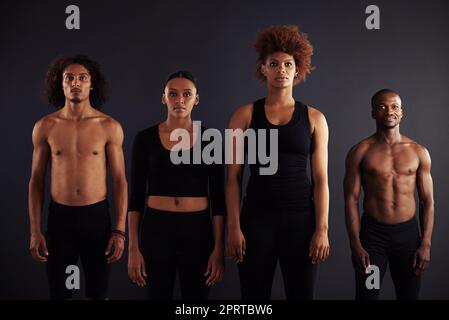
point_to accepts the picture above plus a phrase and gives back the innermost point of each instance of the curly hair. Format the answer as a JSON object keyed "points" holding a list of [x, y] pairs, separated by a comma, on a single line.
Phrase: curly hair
{"points": [[287, 39], [53, 81]]}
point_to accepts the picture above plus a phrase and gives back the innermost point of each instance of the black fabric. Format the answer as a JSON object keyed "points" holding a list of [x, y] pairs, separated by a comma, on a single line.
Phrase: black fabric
{"points": [[176, 242], [393, 244], [153, 173], [282, 236], [73, 232], [290, 187]]}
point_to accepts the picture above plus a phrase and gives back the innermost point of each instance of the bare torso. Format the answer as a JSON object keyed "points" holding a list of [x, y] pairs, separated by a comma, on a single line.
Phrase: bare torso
{"points": [[176, 204], [77, 158], [388, 174]]}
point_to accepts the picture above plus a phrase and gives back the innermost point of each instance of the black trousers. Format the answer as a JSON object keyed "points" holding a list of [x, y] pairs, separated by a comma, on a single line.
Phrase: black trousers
{"points": [[283, 236], [176, 242], [393, 244], [78, 232]]}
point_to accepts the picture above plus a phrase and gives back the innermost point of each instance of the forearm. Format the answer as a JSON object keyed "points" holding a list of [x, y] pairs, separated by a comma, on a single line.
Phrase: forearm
{"points": [[321, 202], [426, 218], [218, 225], [133, 229], [35, 201], [120, 192], [233, 204], [352, 217]]}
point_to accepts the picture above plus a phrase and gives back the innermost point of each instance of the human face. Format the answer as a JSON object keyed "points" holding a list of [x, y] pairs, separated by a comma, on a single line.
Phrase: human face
{"points": [[279, 70], [180, 96], [76, 83], [387, 110]]}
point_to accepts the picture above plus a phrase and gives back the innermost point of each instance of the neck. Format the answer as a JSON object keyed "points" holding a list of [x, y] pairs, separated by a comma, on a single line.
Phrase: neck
{"points": [[280, 96], [178, 123], [388, 136], [76, 110]]}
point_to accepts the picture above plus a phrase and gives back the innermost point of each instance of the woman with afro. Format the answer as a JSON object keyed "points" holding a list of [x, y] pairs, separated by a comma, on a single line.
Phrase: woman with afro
{"points": [[284, 216]]}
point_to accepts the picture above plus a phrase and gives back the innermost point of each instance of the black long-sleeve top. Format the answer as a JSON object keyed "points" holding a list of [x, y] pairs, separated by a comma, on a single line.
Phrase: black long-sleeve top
{"points": [[153, 173]]}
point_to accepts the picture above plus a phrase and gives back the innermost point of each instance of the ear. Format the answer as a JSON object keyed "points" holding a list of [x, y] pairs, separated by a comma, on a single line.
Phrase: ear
{"points": [[197, 99], [163, 98], [263, 69]]}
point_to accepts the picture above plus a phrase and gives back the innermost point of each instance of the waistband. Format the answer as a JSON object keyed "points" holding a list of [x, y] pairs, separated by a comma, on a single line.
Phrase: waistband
{"points": [[366, 219], [97, 205], [205, 212]]}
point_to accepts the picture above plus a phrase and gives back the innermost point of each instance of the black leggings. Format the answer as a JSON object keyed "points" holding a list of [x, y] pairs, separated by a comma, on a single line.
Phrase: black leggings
{"points": [[176, 241], [395, 244], [269, 237], [73, 232]]}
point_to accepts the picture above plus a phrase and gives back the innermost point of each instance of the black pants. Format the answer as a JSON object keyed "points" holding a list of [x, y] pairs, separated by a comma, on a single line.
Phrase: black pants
{"points": [[269, 237], [176, 242], [73, 232], [393, 244]]}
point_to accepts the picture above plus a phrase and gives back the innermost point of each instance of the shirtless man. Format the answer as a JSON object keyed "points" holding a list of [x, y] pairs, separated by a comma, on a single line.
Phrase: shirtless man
{"points": [[389, 167], [77, 142]]}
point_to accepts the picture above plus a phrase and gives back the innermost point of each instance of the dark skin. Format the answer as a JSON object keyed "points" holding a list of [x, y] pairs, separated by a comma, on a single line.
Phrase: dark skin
{"points": [[389, 167], [76, 141]]}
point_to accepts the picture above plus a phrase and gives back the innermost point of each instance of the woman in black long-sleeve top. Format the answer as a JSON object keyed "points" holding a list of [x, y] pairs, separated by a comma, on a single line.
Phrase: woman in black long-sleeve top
{"points": [[183, 204]]}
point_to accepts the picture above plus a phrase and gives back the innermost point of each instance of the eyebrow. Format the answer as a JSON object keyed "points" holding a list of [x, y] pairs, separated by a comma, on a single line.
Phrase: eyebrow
{"points": [[174, 89], [286, 60], [82, 73]]}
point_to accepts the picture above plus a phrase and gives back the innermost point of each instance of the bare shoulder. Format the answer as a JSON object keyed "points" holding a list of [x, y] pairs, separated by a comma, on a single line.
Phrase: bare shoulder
{"points": [[418, 148], [315, 114], [359, 150], [45, 124], [242, 115]]}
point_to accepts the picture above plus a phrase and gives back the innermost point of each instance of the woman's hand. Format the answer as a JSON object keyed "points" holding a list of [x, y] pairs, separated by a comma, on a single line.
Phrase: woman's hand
{"points": [[236, 245], [215, 267], [136, 267], [319, 246]]}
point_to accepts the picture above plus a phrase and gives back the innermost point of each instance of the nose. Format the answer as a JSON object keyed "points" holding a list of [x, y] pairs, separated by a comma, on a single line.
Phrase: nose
{"points": [[75, 82], [281, 68]]}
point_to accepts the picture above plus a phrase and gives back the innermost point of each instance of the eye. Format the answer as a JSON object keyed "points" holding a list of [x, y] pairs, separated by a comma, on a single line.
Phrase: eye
{"points": [[172, 94], [187, 94], [68, 78], [288, 64], [83, 78], [273, 64]]}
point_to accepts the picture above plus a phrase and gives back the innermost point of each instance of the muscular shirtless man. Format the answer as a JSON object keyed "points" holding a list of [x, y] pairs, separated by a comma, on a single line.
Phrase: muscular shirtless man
{"points": [[77, 141], [389, 167]]}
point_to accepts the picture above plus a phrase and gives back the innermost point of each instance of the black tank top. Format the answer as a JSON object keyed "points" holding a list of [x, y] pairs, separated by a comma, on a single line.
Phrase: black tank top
{"points": [[289, 188]]}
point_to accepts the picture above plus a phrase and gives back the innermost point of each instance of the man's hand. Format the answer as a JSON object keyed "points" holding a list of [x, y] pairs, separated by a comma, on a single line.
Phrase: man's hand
{"points": [[421, 259], [118, 242], [360, 258], [319, 247], [37, 241]]}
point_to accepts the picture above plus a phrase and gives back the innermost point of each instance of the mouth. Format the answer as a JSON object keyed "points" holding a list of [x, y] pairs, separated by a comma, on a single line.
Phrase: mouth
{"points": [[281, 78], [75, 91], [179, 109]]}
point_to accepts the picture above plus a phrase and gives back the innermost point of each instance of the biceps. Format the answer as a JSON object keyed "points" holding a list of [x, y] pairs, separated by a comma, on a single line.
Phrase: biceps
{"points": [[425, 185], [116, 160], [40, 159]]}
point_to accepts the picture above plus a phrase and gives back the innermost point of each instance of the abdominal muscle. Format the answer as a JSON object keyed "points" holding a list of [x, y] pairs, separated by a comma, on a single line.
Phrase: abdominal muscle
{"points": [[178, 204]]}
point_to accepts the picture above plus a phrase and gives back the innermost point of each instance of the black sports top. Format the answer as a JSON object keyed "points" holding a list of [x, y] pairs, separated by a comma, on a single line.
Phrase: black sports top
{"points": [[153, 173], [289, 187]]}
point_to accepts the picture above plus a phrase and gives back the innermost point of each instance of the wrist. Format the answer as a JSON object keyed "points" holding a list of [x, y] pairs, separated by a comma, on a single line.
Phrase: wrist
{"points": [[321, 229]]}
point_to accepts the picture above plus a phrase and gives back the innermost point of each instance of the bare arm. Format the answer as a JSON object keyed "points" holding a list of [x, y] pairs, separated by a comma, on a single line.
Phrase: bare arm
{"points": [[114, 151], [41, 156], [352, 187], [215, 266], [319, 249], [235, 242], [426, 210]]}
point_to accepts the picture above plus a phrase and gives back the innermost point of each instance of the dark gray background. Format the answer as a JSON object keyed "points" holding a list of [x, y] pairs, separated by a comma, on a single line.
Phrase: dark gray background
{"points": [[139, 43]]}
